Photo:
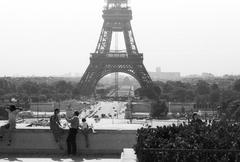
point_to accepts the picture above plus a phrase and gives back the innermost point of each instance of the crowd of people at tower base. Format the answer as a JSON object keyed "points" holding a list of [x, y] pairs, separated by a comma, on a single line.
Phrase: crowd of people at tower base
{"points": [[219, 140]]}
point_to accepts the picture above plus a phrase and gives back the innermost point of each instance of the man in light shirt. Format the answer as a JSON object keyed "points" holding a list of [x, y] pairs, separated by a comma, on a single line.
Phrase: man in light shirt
{"points": [[71, 139], [11, 125]]}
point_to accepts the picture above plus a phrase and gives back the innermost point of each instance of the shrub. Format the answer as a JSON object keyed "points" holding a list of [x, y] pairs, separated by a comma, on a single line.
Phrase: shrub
{"points": [[218, 135]]}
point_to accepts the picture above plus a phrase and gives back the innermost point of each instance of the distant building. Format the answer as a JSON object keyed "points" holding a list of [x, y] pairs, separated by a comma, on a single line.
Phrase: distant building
{"points": [[182, 107], [138, 110], [50, 106], [159, 75], [42, 107], [207, 75], [179, 107], [193, 76], [202, 76]]}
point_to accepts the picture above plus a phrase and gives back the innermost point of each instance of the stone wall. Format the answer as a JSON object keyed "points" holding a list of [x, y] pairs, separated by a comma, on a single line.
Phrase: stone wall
{"points": [[41, 141]]}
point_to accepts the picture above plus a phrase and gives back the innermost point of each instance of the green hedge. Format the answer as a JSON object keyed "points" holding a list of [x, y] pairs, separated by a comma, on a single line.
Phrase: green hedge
{"points": [[151, 142]]}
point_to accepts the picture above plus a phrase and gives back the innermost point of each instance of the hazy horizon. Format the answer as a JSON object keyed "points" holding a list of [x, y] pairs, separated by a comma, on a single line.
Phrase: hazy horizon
{"points": [[52, 38], [71, 75]]}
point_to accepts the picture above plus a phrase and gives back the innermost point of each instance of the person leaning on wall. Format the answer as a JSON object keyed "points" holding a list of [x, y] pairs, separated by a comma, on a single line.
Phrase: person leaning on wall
{"points": [[56, 128], [85, 130], [7, 129]]}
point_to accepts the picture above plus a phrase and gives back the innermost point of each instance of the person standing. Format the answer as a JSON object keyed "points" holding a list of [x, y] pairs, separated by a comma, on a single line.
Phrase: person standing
{"points": [[71, 139], [11, 125], [196, 119], [56, 128]]}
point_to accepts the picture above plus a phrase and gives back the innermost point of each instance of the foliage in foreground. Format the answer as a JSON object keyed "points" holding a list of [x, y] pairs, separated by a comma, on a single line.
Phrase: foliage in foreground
{"points": [[217, 136]]}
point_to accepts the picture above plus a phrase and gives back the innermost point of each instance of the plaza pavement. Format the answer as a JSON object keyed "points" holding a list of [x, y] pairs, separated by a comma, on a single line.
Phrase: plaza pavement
{"points": [[57, 159]]}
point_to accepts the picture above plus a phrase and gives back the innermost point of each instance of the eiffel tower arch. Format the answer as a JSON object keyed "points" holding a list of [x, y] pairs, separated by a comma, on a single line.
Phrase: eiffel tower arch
{"points": [[117, 16]]}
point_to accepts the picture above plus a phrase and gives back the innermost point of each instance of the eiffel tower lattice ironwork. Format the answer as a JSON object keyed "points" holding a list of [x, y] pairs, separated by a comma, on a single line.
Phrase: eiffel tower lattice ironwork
{"points": [[117, 16]]}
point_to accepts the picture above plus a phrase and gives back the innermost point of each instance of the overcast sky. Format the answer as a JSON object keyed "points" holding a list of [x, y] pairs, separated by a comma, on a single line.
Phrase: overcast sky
{"points": [[53, 37]]}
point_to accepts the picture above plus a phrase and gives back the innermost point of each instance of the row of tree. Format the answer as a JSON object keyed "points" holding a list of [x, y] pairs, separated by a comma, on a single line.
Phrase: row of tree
{"points": [[200, 92], [226, 97], [174, 91], [31, 90]]}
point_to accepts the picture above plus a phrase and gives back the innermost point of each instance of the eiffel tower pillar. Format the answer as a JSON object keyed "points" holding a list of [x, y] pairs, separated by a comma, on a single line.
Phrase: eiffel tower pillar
{"points": [[117, 16]]}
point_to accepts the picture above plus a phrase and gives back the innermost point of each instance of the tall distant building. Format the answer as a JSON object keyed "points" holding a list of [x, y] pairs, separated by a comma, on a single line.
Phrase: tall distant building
{"points": [[164, 76]]}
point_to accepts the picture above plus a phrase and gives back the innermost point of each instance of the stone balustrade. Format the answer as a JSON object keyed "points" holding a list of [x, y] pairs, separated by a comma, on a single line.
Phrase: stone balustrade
{"points": [[41, 141]]}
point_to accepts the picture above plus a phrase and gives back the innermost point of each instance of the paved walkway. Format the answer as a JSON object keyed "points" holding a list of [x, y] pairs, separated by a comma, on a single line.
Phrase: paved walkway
{"points": [[77, 159]]}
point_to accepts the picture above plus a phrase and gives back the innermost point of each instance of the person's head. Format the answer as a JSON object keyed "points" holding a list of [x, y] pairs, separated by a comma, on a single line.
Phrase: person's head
{"points": [[56, 111], [76, 113], [83, 120], [195, 116], [12, 108]]}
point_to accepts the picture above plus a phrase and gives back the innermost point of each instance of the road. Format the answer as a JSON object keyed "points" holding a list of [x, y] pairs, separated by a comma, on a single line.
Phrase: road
{"points": [[123, 91], [112, 109]]}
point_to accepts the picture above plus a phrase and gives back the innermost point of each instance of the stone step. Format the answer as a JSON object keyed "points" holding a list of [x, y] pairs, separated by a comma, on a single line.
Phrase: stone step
{"points": [[128, 155]]}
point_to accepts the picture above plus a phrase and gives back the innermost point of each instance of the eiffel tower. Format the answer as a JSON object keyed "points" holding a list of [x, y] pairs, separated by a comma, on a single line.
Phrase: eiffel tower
{"points": [[117, 16]]}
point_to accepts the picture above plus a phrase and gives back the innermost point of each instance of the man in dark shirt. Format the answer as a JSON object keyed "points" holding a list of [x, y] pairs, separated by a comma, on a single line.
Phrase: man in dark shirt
{"points": [[196, 123], [196, 119], [56, 128], [71, 139]]}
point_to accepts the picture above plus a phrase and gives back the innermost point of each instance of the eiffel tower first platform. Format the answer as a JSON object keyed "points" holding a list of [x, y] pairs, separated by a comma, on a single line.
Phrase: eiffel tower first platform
{"points": [[117, 16]]}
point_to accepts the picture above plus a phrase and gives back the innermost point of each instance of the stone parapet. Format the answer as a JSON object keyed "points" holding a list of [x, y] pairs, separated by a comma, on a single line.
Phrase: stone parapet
{"points": [[41, 141]]}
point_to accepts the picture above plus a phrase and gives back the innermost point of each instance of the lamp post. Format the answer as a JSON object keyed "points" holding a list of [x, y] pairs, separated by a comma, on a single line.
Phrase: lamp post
{"points": [[37, 109]]}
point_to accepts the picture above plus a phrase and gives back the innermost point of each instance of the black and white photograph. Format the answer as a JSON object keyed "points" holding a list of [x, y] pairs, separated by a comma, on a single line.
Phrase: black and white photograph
{"points": [[120, 81]]}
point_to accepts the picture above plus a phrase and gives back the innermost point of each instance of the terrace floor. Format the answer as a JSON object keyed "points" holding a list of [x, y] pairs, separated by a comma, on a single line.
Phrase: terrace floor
{"points": [[30, 158]]}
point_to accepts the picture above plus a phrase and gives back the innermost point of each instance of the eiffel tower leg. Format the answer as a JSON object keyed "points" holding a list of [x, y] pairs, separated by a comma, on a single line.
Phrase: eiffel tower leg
{"points": [[95, 72], [89, 79], [141, 73]]}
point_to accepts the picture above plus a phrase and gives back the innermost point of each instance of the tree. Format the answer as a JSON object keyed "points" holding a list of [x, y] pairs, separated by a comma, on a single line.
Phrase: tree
{"points": [[157, 90], [7, 86], [151, 92], [235, 110], [189, 95], [2, 91], [180, 94], [230, 110], [9, 96], [214, 96], [236, 85], [214, 87], [29, 87], [201, 99], [202, 88], [159, 109], [168, 87], [63, 87], [228, 94]]}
